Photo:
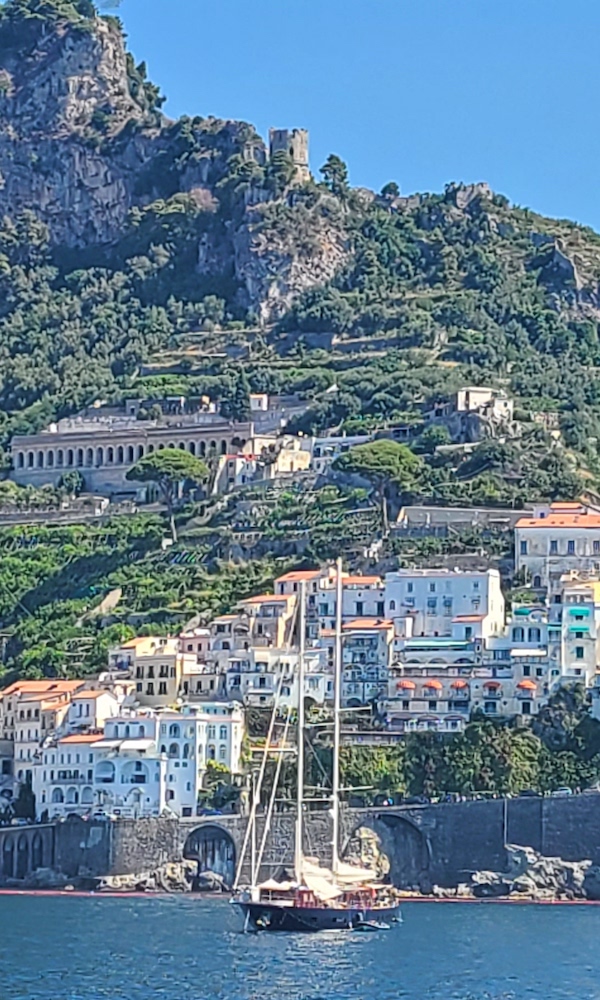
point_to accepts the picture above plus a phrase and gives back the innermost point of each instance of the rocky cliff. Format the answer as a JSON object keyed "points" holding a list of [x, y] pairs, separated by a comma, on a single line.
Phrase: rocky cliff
{"points": [[83, 142]]}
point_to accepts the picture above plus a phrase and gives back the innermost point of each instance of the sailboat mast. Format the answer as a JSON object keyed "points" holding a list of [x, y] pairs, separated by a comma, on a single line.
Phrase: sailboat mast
{"points": [[337, 704], [300, 738]]}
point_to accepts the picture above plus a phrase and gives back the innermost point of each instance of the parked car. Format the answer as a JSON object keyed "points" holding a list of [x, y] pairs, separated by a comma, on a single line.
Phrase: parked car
{"points": [[561, 793], [529, 793]]}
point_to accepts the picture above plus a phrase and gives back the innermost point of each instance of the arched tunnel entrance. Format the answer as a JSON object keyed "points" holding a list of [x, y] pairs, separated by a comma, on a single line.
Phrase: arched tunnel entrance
{"points": [[394, 847], [213, 848]]}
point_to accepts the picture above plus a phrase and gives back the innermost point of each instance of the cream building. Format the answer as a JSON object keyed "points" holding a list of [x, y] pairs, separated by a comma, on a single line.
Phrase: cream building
{"points": [[561, 538], [437, 600], [103, 443]]}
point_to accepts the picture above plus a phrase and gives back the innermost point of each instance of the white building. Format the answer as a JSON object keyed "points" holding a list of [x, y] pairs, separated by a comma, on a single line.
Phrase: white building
{"points": [[144, 764], [435, 600], [90, 709], [558, 539]]}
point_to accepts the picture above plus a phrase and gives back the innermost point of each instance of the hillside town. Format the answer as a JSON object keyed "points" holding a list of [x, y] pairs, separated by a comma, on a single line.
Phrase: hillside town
{"points": [[423, 649]]}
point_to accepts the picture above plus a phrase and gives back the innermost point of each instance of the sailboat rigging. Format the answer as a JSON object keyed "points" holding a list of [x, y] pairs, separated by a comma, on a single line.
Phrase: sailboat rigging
{"points": [[344, 897]]}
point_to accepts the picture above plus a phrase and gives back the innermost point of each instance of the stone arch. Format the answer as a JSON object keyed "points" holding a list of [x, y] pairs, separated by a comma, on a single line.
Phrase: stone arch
{"points": [[50, 459], [403, 843], [79, 458], [37, 852], [99, 456], [181, 445], [110, 456], [192, 447], [89, 456], [22, 862], [30, 460], [20, 460], [203, 449], [213, 849], [70, 458], [40, 459], [8, 857], [223, 447], [60, 458], [72, 798], [140, 451], [87, 796], [130, 453], [120, 455], [174, 751], [57, 795]]}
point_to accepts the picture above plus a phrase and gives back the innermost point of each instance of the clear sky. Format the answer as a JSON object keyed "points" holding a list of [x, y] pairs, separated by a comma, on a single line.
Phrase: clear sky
{"points": [[418, 91]]}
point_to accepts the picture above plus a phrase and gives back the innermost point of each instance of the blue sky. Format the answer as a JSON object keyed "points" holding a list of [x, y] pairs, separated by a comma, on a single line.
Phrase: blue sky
{"points": [[418, 91]]}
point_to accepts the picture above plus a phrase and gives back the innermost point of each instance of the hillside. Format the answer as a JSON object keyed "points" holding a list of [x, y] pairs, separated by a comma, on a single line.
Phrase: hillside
{"points": [[125, 235]]}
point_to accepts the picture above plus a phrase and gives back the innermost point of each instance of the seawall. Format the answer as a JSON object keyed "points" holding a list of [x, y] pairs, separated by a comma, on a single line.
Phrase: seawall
{"points": [[426, 845]]}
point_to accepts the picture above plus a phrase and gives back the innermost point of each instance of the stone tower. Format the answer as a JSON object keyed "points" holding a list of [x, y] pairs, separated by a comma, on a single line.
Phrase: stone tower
{"points": [[295, 142]]}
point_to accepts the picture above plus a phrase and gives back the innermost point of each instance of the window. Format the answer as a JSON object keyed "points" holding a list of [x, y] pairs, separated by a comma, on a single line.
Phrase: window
{"points": [[409, 588], [553, 547], [223, 733], [162, 687], [579, 652], [431, 605], [222, 752], [150, 689], [360, 608], [526, 708], [380, 609], [432, 706], [570, 548], [475, 584], [518, 635], [432, 588], [392, 605], [468, 632], [523, 548], [534, 635], [597, 548], [526, 670]]}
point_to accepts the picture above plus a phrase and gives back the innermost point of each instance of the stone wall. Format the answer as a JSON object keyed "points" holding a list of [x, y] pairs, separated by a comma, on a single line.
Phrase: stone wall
{"points": [[425, 845]]}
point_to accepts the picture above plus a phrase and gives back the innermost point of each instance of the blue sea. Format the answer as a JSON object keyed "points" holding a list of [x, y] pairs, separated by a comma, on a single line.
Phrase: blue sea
{"points": [[190, 948]]}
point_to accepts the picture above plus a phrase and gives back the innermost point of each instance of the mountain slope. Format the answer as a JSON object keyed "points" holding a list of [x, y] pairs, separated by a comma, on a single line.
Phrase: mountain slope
{"points": [[125, 233]]}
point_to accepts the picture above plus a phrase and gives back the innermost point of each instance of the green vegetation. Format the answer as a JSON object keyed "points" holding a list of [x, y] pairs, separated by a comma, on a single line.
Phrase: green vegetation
{"points": [[561, 749], [51, 579], [172, 471]]}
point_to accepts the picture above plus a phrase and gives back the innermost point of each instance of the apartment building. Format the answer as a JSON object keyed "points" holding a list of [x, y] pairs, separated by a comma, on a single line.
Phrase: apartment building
{"points": [[558, 539], [430, 602]]}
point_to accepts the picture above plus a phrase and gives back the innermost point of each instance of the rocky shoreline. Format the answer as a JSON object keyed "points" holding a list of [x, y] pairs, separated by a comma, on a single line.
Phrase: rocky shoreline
{"points": [[529, 877]]}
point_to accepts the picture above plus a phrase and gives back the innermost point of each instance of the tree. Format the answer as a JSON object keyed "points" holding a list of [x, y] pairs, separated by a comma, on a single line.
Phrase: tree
{"points": [[24, 806], [390, 190], [72, 483], [237, 405], [431, 438], [335, 175], [169, 469], [387, 464]]}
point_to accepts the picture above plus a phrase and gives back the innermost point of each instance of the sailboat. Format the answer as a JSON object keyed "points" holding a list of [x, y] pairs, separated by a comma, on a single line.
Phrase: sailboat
{"points": [[343, 897]]}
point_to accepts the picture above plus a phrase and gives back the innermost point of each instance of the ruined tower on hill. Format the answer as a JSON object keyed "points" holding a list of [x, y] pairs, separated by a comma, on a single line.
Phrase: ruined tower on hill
{"points": [[295, 143]]}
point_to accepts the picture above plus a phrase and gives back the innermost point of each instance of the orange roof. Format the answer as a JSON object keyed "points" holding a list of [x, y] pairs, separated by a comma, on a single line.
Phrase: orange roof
{"points": [[469, 618], [363, 579], [41, 687], [367, 623], [556, 520], [527, 685], [89, 694], [459, 684], [433, 683], [82, 738], [492, 684], [295, 576], [406, 684], [139, 641], [266, 599], [567, 505]]}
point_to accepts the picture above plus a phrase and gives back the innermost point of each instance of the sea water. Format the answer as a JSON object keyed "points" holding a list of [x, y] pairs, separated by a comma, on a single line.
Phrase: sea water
{"points": [[193, 948]]}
